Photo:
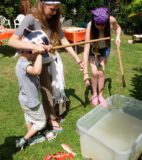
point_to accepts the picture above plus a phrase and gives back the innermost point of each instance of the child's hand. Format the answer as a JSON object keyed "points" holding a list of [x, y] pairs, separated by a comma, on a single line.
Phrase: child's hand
{"points": [[48, 47], [117, 41], [81, 64], [87, 82], [86, 79], [39, 48]]}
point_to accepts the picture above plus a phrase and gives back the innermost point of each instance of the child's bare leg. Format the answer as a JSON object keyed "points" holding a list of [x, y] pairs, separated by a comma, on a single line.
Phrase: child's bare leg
{"points": [[29, 125], [32, 125], [30, 133], [56, 125], [94, 82], [94, 77], [101, 80], [23, 141], [101, 77]]}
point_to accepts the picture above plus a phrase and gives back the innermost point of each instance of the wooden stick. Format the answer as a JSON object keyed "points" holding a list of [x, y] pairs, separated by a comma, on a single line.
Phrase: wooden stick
{"points": [[75, 44], [121, 67], [80, 43]]}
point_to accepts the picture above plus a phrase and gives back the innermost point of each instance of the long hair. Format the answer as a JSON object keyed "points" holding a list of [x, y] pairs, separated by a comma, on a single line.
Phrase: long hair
{"points": [[48, 25], [94, 32]]}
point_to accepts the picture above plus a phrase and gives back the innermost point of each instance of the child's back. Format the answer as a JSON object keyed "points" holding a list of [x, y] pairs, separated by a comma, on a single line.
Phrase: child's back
{"points": [[28, 83], [27, 74]]}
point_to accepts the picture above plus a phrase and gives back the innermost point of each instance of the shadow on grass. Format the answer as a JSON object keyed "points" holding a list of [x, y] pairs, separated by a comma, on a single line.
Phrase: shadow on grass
{"points": [[8, 149], [136, 83], [89, 90], [7, 51], [71, 92], [108, 83]]}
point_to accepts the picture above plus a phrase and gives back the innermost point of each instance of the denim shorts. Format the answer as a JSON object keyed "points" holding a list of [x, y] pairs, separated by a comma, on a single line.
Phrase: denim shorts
{"points": [[105, 52]]}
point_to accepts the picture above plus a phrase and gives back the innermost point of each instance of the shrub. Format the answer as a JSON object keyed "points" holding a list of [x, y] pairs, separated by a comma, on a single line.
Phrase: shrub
{"points": [[9, 8], [123, 12]]}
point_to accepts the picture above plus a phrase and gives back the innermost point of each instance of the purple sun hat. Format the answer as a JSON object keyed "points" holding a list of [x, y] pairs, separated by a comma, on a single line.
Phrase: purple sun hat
{"points": [[100, 15]]}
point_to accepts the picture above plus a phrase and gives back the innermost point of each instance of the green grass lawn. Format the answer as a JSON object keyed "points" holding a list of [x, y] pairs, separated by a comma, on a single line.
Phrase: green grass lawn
{"points": [[11, 116]]}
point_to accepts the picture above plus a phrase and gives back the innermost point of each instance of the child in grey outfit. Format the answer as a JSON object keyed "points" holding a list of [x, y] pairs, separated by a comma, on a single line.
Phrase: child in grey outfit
{"points": [[27, 73]]}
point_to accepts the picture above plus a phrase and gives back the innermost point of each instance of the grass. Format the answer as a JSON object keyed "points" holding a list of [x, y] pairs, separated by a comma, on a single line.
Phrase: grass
{"points": [[11, 115]]}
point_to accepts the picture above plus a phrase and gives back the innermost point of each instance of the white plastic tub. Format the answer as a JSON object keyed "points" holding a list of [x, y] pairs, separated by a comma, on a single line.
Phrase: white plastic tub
{"points": [[114, 132]]}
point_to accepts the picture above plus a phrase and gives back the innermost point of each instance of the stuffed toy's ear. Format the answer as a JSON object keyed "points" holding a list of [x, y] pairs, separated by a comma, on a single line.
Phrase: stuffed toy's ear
{"points": [[26, 32]]}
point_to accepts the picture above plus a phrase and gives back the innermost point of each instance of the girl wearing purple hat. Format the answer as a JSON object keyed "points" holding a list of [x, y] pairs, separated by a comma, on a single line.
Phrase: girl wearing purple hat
{"points": [[98, 53], [45, 16]]}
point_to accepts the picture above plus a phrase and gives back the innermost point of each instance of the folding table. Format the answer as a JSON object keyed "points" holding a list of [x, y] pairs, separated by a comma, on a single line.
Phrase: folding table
{"points": [[74, 34], [6, 34]]}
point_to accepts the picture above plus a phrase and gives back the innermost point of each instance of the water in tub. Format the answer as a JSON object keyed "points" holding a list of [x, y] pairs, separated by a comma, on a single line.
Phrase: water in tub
{"points": [[117, 130]]}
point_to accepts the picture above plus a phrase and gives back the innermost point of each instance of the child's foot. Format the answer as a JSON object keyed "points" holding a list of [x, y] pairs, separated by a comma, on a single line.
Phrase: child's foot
{"points": [[102, 101], [36, 139], [60, 119], [50, 136], [21, 143], [94, 100], [56, 127]]}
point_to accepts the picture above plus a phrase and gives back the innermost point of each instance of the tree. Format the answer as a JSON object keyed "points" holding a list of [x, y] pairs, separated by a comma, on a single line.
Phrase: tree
{"points": [[82, 7], [25, 6], [9, 8], [135, 15]]}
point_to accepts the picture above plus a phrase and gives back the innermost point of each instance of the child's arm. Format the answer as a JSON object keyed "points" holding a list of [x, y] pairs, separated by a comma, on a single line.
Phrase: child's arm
{"points": [[86, 55], [71, 51], [37, 67], [117, 28]]}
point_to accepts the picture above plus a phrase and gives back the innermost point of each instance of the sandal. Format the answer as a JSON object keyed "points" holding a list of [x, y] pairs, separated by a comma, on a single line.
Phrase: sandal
{"points": [[102, 101], [56, 127], [50, 136], [36, 139], [94, 100], [60, 119], [60, 156]]}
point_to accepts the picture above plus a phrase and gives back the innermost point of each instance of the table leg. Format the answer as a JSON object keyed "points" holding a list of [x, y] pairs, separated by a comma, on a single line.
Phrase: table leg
{"points": [[75, 49], [1, 43]]}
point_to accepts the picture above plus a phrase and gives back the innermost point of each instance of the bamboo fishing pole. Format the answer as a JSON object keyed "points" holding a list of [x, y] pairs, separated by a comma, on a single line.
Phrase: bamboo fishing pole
{"points": [[121, 67], [75, 44], [80, 43]]}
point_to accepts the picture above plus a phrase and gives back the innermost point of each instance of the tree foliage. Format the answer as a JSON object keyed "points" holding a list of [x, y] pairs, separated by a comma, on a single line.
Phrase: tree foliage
{"points": [[135, 6], [9, 8], [135, 15], [129, 23], [79, 11], [82, 7]]}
